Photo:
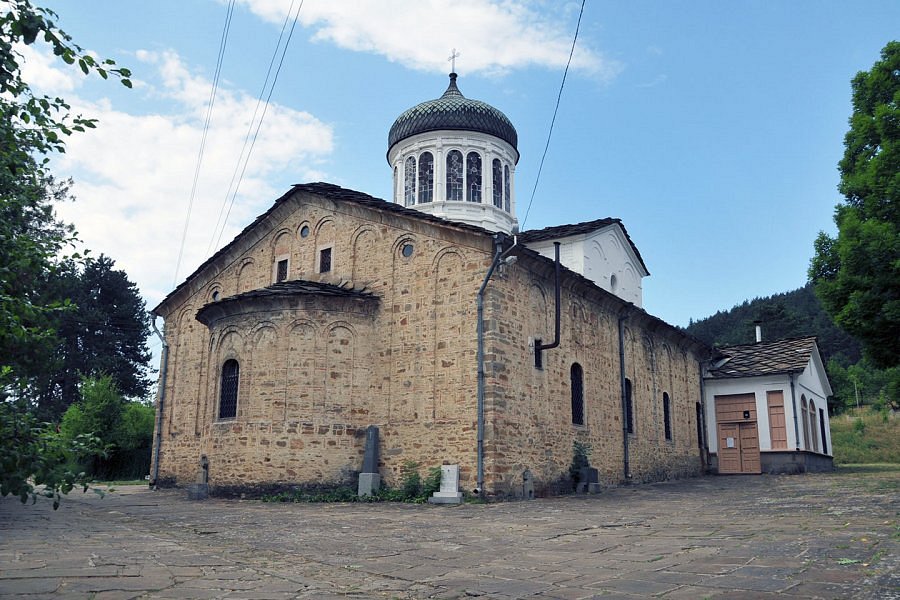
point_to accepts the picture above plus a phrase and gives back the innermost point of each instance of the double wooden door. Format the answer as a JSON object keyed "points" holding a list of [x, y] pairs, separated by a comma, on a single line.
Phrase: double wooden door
{"points": [[738, 435]]}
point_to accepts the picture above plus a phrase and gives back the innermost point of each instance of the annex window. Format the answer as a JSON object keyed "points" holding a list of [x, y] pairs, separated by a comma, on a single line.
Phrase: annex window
{"points": [[506, 188], [577, 380], [804, 414], [822, 430], [473, 177], [228, 391], [325, 260], [409, 182], [813, 430], [497, 180], [426, 178], [667, 416], [777, 424], [281, 270], [455, 175], [629, 407]]}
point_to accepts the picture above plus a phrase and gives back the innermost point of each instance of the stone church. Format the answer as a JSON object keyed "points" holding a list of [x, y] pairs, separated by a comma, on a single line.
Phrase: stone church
{"points": [[433, 318]]}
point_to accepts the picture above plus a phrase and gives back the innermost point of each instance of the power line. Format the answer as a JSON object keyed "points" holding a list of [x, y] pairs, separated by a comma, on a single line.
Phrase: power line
{"points": [[212, 98], [555, 110], [233, 187]]}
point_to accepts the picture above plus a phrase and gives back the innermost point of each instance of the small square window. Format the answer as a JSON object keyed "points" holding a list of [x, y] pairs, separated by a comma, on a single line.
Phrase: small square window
{"points": [[281, 270], [538, 354], [325, 260]]}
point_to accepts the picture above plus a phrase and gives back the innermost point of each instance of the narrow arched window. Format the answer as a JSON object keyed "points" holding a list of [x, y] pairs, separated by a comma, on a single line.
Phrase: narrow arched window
{"points": [[455, 176], [426, 178], [629, 407], [813, 430], [228, 391], [506, 187], [497, 180], [804, 414], [577, 381], [473, 177], [667, 416], [409, 182]]}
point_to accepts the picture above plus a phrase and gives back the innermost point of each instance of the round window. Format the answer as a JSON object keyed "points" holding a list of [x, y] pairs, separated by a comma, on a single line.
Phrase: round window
{"points": [[407, 250], [304, 231]]}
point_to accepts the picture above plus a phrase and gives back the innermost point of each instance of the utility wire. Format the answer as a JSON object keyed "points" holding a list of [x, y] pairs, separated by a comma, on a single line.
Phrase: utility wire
{"points": [[555, 110], [209, 107], [233, 187]]}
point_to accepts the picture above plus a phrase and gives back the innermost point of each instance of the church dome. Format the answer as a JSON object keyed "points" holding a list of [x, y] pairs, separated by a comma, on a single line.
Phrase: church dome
{"points": [[452, 111]]}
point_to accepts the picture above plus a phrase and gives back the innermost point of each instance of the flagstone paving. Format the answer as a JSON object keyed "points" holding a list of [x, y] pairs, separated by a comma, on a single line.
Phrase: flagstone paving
{"points": [[807, 536]]}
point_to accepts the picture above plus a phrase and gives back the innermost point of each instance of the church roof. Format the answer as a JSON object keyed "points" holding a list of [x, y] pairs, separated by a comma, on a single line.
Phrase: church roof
{"points": [[764, 358], [563, 231], [455, 112]]}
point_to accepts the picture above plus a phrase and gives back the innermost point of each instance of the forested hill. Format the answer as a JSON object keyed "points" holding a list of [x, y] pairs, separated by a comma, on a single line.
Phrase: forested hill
{"points": [[792, 314]]}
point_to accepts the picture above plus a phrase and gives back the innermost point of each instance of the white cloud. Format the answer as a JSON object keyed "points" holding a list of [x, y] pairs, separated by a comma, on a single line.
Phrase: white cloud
{"points": [[39, 71], [134, 173], [491, 36]]}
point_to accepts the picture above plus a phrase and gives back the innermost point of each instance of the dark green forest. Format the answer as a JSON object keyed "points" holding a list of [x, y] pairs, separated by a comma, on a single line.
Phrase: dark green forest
{"points": [[796, 314]]}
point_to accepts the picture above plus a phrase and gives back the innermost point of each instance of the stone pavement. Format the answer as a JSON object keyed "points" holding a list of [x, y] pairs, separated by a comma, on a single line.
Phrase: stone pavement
{"points": [[806, 536]]}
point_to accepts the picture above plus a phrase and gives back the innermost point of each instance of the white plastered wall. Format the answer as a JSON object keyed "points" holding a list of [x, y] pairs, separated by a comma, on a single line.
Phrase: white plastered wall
{"points": [[605, 257]]}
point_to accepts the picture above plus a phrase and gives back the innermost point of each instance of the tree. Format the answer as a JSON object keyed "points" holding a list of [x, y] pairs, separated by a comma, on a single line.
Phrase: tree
{"points": [[857, 273], [104, 333], [31, 238]]}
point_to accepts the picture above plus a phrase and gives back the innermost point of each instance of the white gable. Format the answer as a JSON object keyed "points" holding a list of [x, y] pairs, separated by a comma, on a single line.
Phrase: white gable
{"points": [[604, 256]]}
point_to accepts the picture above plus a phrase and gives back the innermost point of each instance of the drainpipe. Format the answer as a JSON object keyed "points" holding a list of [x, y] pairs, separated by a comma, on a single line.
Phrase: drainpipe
{"points": [[626, 464], [794, 406], [542, 347], [163, 370], [479, 300], [704, 443]]}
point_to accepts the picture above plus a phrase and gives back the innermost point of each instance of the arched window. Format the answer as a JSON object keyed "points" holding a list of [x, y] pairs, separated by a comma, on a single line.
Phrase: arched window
{"points": [[409, 182], [804, 413], [667, 416], [455, 176], [629, 407], [506, 187], [426, 178], [813, 433], [577, 380], [396, 183], [228, 391], [497, 180], [473, 177]]}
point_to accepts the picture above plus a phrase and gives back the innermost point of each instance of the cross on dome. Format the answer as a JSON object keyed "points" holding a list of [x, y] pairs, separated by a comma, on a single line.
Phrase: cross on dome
{"points": [[453, 55]]}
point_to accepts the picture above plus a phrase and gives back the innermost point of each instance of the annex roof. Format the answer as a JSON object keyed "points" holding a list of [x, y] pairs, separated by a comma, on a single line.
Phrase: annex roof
{"points": [[764, 358], [563, 231]]}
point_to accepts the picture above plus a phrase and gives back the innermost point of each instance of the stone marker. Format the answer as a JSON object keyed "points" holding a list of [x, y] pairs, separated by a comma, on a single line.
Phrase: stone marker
{"points": [[449, 492], [200, 489], [527, 485], [369, 479]]}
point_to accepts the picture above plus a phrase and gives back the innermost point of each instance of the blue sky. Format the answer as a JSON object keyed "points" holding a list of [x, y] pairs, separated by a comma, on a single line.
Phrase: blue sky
{"points": [[712, 129]]}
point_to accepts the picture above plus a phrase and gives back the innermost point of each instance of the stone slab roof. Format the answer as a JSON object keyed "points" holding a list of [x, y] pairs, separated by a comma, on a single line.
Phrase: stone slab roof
{"points": [[563, 231], [764, 358]]}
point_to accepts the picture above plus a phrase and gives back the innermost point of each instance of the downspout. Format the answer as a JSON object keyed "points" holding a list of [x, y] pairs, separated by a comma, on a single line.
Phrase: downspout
{"points": [[794, 407], [542, 347], [163, 370], [626, 464], [479, 301], [703, 441]]}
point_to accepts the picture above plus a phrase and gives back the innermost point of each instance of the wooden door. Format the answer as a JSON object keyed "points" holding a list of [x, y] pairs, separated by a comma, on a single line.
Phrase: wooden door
{"points": [[749, 448], [729, 448]]}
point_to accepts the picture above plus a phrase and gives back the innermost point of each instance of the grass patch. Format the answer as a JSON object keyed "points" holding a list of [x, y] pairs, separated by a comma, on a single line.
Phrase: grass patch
{"points": [[866, 436]]}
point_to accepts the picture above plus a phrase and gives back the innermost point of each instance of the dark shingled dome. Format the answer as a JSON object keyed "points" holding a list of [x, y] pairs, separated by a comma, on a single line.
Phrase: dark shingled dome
{"points": [[456, 112]]}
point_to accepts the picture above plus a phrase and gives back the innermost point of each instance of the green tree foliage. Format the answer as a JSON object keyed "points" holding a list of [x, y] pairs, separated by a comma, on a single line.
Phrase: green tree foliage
{"points": [[105, 332], [125, 430], [32, 127], [857, 274]]}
